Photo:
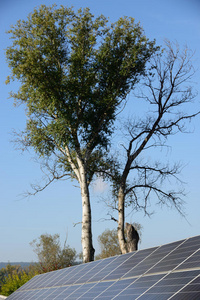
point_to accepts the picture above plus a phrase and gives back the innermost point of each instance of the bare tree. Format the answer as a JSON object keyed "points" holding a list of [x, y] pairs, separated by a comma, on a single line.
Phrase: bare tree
{"points": [[167, 91]]}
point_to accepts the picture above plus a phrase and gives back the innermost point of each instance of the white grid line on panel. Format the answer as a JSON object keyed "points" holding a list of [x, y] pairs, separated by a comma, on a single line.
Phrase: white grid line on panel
{"points": [[106, 275], [169, 272], [114, 259], [126, 273], [183, 287], [150, 269], [66, 271]]}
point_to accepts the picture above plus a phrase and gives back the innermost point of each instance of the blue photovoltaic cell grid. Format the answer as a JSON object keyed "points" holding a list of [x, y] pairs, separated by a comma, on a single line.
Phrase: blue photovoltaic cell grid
{"points": [[152, 260], [169, 285], [130, 287], [99, 271], [178, 256], [170, 271], [190, 291], [127, 265]]}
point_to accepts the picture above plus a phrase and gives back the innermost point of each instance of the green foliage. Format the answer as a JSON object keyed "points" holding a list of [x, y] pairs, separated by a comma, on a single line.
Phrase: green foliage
{"points": [[74, 71], [50, 254], [12, 277], [4, 272], [51, 257], [109, 243]]}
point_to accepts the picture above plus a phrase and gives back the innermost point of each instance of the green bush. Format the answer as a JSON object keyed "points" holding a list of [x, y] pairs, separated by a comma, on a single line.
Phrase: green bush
{"points": [[15, 280], [51, 255]]}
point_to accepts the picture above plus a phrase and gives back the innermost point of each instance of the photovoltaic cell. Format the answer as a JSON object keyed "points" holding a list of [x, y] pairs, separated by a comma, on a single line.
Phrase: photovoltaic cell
{"points": [[137, 286], [60, 275], [127, 265], [190, 291], [151, 260], [191, 262], [98, 271], [110, 269], [96, 290], [170, 271], [52, 293], [33, 282], [178, 256], [72, 277], [169, 285]]}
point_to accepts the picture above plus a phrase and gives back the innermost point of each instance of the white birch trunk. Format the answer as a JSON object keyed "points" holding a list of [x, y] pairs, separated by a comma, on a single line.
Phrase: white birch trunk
{"points": [[86, 236]]}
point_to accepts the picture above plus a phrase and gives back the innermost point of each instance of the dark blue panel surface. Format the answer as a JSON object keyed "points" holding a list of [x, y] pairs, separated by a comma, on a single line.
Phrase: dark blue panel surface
{"points": [[67, 291], [129, 263], [96, 290], [170, 284], [43, 280], [115, 288], [178, 256], [138, 286], [151, 296], [191, 262], [32, 282], [99, 270], [186, 296], [24, 295], [81, 290], [70, 278], [54, 292], [59, 275], [191, 290], [145, 265], [110, 268]]}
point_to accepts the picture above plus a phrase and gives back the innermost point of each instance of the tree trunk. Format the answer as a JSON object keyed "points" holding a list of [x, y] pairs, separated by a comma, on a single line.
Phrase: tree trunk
{"points": [[132, 235], [121, 236], [88, 250], [132, 238], [86, 236]]}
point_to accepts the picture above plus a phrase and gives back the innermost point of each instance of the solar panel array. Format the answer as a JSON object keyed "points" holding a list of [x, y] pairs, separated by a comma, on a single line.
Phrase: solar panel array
{"points": [[171, 271]]}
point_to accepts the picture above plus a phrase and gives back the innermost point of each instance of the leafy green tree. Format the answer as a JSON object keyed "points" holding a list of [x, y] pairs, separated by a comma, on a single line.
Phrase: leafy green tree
{"points": [[109, 243], [51, 255], [4, 272], [75, 73], [15, 277]]}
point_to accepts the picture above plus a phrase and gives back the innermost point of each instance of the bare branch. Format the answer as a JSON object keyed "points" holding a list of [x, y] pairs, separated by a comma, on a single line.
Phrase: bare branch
{"points": [[51, 174]]}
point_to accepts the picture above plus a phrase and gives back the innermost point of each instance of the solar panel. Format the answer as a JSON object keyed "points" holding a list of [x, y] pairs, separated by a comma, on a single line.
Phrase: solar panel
{"points": [[171, 271]]}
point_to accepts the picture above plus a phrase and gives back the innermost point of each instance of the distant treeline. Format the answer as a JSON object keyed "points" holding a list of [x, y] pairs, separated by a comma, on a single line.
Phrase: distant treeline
{"points": [[22, 264]]}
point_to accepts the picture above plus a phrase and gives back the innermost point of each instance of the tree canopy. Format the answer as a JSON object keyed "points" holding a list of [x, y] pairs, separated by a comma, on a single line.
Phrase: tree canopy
{"points": [[51, 255], [74, 73], [109, 244]]}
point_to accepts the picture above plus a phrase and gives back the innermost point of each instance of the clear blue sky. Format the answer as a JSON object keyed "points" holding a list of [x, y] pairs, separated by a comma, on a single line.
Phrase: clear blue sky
{"points": [[57, 208]]}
